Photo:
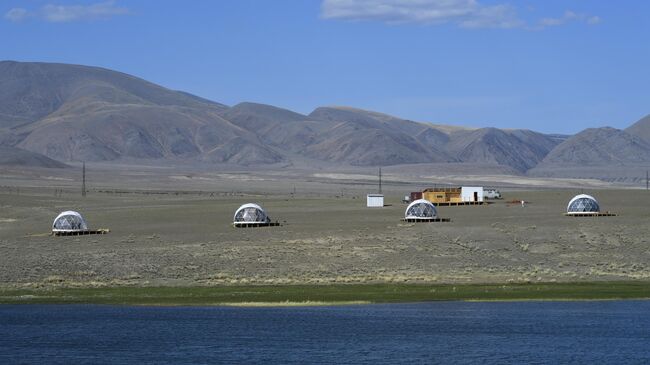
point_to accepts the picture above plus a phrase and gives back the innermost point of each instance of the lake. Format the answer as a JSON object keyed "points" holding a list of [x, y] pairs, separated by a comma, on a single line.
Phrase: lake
{"points": [[439, 332]]}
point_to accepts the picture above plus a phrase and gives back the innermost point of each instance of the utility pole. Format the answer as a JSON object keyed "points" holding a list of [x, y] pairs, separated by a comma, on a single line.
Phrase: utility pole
{"points": [[83, 180], [380, 180]]}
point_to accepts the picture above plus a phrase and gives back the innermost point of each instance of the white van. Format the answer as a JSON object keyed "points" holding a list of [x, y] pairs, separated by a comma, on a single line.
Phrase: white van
{"points": [[492, 194]]}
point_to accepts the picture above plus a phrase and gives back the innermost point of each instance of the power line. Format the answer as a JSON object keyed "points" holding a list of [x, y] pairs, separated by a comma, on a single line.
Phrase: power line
{"points": [[83, 180]]}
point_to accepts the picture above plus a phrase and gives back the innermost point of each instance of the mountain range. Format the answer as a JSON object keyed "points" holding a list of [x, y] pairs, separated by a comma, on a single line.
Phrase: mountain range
{"points": [[51, 114]]}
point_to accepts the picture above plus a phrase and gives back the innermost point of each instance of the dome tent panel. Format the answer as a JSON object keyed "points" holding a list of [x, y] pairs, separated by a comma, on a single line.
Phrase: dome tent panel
{"points": [[583, 203], [420, 208], [251, 213], [69, 221]]}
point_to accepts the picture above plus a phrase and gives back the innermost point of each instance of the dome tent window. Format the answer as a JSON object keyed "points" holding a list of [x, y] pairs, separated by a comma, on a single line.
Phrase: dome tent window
{"points": [[421, 209], [583, 204], [69, 221]]}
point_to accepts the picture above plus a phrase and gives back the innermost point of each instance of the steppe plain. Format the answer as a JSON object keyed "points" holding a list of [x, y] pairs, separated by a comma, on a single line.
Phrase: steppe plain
{"points": [[174, 229]]}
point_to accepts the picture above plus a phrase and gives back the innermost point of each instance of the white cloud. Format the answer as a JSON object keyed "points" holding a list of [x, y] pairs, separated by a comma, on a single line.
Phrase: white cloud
{"points": [[16, 14], [593, 19], [464, 13], [497, 16], [63, 13], [569, 16], [68, 13]]}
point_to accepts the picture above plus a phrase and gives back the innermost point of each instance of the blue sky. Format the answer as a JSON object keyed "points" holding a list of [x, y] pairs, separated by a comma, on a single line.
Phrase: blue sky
{"points": [[550, 66]]}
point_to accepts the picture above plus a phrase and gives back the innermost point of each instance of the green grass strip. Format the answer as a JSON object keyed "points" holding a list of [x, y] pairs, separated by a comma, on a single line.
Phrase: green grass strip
{"points": [[326, 294]]}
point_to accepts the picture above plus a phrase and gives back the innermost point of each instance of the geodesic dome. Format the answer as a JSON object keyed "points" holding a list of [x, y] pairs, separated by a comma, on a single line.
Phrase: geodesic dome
{"points": [[420, 209], [69, 221], [583, 203], [251, 213]]}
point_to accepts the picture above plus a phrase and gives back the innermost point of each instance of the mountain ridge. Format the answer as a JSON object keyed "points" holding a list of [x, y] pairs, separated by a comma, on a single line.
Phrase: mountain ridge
{"points": [[74, 112]]}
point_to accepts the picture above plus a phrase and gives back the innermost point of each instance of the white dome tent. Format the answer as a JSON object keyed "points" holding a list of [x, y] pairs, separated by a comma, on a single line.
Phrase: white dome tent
{"points": [[583, 204], [69, 221], [251, 215], [420, 209]]}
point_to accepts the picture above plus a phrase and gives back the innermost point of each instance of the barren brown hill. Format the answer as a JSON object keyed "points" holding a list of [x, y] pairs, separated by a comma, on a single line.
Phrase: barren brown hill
{"points": [[599, 146], [73, 113], [641, 128], [412, 142], [29, 91], [519, 149], [281, 128], [13, 156], [600, 153], [363, 137], [342, 135]]}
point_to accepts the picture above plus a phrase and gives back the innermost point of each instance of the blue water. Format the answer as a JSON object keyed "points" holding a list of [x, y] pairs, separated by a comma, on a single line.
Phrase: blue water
{"points": [[606, 332]]}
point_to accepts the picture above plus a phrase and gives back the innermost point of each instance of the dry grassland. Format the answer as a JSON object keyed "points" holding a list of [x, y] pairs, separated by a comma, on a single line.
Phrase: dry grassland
{"points": [[187, 240]]}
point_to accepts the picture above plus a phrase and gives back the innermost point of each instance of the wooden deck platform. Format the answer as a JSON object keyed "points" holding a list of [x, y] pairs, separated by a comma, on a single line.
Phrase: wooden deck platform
{"points": [[606, 214], [425, 220], [456, 204], [255, 224], [83, 232]]}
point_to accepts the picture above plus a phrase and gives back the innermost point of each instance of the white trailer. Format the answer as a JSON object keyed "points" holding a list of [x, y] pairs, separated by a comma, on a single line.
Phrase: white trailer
{"points": [[471, 193]]}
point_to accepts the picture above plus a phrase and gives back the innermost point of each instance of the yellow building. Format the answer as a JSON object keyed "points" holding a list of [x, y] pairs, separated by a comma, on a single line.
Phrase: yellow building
{"points": [[442, 195]]}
